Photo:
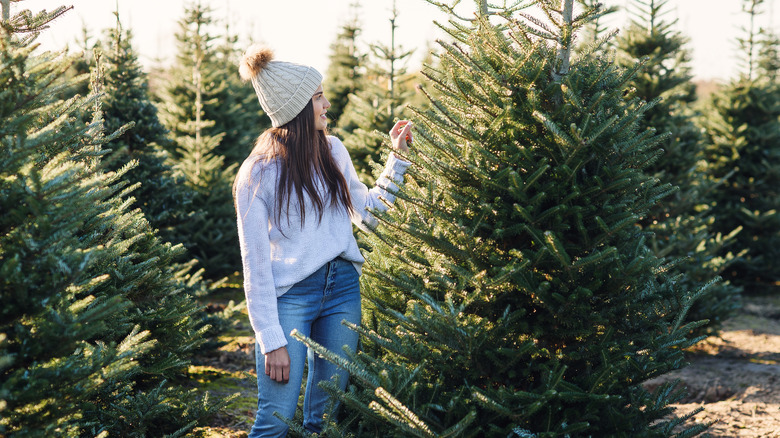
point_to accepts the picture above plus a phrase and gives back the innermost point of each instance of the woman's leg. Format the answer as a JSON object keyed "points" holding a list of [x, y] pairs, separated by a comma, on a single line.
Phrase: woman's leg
{"points": [[340, 301], [297, 308]]}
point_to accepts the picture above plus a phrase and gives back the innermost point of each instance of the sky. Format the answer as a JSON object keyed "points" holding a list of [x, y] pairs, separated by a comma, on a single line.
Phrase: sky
{"points": [[302, 30]]}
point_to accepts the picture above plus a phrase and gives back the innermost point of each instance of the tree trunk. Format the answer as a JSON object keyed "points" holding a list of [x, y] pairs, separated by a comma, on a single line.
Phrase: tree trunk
{"points": [[483, 8], [564, 51], [753, 11], [6, 9], [391, 82]]}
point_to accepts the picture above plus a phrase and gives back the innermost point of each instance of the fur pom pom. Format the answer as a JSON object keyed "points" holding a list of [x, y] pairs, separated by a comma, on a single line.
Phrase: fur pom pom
{"points": [[255, 59]]}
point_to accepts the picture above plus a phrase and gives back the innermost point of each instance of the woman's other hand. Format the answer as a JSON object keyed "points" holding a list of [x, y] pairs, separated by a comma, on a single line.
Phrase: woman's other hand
{"points": [[277, 365], [401, 135]]}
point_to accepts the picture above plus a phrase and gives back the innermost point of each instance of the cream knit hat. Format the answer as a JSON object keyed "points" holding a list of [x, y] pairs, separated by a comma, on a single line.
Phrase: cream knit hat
{"points": [[283, 88]]}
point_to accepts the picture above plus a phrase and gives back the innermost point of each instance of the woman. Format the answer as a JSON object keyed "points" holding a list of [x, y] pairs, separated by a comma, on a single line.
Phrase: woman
{"points": [[296, 197]]}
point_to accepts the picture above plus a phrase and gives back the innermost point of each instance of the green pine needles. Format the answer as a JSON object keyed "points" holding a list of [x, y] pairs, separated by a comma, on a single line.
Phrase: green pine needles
{"points": [[213, 119], [344, 74], [743, 147], [743, 136], [510, 292], [162, 195], [98, 322], [683, 225], [376, 105]]}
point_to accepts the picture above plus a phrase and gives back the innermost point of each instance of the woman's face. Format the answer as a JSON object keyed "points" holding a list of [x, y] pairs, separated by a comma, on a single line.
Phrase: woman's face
{"points": [[321, 106]]}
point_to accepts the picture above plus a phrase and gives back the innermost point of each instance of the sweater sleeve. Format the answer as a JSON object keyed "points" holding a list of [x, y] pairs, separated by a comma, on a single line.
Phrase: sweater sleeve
{"points": [[365, 200], [259, 285]]}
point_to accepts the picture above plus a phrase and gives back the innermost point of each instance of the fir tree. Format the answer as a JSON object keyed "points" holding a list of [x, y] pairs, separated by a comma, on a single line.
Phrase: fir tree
{"points": [[236, 112], [374, 109], [512, 292], [189, 100], [344, 76], [743, 146], [97, 322], [163, 197], [225, 101], [682, 224]]}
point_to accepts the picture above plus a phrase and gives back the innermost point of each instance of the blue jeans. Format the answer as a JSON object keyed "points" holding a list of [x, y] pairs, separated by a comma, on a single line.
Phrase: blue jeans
{"points": [[315, 307]]}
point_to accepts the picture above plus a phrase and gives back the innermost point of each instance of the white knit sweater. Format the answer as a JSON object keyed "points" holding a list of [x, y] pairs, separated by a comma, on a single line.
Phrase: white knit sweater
{"points": [[277, 256]]}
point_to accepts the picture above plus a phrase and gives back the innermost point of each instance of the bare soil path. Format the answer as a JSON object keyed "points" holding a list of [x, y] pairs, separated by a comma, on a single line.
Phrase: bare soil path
{"points": [[736, 377]]}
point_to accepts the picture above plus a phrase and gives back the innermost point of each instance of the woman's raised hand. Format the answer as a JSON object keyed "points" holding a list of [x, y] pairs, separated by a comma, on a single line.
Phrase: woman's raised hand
{"points": [[401, 135]]}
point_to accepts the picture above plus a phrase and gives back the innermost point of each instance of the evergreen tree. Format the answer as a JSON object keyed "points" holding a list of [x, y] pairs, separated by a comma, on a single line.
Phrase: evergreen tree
{"points": [[225, 101], [190, 100], [750, 41], [683, 222], [343, 76], [512, 292], [163, 197], [743, 146], [373, 110], [97, 321], [236, 111]]}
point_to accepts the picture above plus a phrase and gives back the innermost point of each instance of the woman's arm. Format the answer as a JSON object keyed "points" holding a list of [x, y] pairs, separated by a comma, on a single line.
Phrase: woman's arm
{"points": [[259, 287], [253, 219]]}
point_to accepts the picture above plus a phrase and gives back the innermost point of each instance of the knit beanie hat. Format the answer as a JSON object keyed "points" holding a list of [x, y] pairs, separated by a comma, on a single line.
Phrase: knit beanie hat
{"points": [[283, 88]]}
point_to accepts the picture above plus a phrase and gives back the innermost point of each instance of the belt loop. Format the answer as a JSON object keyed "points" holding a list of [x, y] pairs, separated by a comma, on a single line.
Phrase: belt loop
{"points": [[331, 265], [331, 272]]}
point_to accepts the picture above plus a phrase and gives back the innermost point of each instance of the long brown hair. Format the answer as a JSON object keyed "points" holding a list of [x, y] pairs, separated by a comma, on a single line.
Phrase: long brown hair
{"points": [[303, 158]]}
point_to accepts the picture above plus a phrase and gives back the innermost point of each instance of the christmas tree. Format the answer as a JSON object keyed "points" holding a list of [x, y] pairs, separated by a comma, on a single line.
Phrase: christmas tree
{"points": [[373, 110], [511, 292], [162, 195], [195, 93], [344, 76], [235, 110], [97, 323], [743, 147], [213, 56], [682, 224]]}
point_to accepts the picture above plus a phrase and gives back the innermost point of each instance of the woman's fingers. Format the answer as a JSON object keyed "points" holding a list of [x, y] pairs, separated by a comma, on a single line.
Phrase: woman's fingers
{"points": [[280, 374], [395, 131], [401, 135], [407, 132], [277, 365], [402, 128]]}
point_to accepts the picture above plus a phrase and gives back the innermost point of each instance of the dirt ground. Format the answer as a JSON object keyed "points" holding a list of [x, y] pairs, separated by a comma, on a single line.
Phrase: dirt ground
{"points": [[735, 378]]}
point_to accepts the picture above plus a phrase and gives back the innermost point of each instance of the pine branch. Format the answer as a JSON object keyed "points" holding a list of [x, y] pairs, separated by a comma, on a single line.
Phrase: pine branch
{"points": [[400, 415], [483, 9], [26, 22]]}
